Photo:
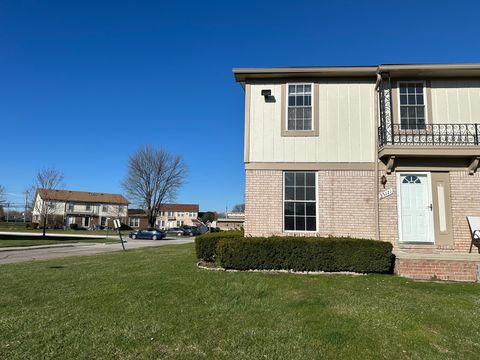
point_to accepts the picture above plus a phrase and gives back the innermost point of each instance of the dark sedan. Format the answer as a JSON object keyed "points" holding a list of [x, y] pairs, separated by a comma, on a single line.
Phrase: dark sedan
{"points": [[150, 234]]}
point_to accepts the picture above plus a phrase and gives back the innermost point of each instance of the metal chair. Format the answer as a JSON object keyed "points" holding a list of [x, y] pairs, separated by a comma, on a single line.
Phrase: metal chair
{"points": [[474, 224]]}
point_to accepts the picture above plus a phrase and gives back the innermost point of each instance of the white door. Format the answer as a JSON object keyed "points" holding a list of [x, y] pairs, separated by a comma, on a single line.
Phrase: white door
{"points": [[415, 208]]}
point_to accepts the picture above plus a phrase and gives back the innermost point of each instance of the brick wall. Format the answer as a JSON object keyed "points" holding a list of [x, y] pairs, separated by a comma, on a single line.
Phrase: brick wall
{"points": [[465, 196], [263, 202], [346, 203], [437, 269], [388, 216]]}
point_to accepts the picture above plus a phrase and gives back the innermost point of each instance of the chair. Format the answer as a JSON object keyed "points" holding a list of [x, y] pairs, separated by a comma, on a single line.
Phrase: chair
{"points": [[474, 224]]}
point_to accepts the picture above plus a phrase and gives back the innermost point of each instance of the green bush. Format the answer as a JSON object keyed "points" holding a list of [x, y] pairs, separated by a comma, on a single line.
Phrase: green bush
{"points": [[306, 254], [205, 244], [74, 226]]}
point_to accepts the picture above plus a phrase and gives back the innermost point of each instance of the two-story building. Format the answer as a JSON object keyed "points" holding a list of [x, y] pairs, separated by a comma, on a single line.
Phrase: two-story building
{"points": [[86, 209], [169, 216], [386, 152]]}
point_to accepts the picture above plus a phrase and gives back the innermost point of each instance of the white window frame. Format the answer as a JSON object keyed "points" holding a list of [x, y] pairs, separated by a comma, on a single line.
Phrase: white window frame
{"points": [[424, 84], [312, 87], [316, 204], [134, 222], [399, 207], [105, 208]]}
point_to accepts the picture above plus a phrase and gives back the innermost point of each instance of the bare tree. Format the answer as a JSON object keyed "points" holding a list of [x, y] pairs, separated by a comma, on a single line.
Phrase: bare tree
{"points": [[2, 200], [47, 181], [2, 194], [154, 177], [239, 208]]}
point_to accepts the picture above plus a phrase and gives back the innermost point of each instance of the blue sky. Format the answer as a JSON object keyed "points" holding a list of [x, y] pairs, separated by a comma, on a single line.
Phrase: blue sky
{"points": [[84, 83]]}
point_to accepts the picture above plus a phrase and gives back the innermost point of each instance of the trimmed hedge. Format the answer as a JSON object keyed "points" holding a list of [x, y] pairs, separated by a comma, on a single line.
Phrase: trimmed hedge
{"points": [[305, 254], [205, 244]]}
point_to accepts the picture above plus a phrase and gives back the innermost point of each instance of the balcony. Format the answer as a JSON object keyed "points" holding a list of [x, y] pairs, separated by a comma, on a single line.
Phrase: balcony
{"points": [[82, 211], [430, 141]]}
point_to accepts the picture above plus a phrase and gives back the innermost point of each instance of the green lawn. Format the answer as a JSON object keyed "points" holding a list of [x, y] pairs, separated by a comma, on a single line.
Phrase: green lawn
{"points": [[26, 240], [154, 303]]}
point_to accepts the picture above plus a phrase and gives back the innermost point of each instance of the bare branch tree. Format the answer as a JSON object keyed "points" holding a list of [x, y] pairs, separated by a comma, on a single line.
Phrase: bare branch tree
{"points": [[3, 200], [47, 181], [154, 177], [239, 208], [2, 194]]}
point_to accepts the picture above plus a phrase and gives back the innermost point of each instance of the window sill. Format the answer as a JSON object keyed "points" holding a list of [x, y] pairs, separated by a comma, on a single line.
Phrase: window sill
{"points": [[299, 133]]}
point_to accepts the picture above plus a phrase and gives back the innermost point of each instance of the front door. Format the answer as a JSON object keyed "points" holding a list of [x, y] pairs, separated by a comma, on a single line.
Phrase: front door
{"points": [[415, 208]]}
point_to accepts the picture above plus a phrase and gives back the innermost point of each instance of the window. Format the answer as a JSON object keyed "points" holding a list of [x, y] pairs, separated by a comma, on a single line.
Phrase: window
{"points": [[105, 208], [299, 107], [134, 222], [179, 223], [300, 201], [412, 105], [411, 179], [103, 221], [70, 206], [88, 207], [170, 214]]}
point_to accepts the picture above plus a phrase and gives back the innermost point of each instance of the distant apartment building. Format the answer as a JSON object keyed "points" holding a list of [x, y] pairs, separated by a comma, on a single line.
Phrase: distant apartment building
{"points": [[232, 221], [86, 209], [170, 216]]}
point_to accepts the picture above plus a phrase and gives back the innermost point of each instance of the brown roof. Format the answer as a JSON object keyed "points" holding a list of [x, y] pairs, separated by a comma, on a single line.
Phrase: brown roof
{"points": [[179, 207], [168, 207], [84, 196], [396, 70]]}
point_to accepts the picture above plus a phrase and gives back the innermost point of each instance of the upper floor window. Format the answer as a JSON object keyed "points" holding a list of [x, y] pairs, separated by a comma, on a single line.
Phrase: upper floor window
{"points": [[88, 207], [412, 105], [299, 107], [70, 206], [104, 208]]}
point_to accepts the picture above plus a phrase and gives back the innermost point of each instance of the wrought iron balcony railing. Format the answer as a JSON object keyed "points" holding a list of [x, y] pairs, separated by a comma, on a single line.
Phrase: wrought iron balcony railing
{"points": [[430, 134]]}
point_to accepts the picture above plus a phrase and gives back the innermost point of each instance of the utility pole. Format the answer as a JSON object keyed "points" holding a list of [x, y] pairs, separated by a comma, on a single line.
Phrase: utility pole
{"points": [[26, 204]]}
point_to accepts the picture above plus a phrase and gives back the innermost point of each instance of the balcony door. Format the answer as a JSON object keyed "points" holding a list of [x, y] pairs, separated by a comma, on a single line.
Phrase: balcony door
{"points": [[415, 215]]}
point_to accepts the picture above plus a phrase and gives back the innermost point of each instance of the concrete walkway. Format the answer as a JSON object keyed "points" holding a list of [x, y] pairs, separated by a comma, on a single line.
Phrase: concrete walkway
{"points": [[45, 252], [111, 235]]}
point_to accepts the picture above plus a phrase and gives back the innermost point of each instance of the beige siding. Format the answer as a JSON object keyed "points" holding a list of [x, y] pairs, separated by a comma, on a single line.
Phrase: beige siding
{"points": [[455, 101], [346, 129]]}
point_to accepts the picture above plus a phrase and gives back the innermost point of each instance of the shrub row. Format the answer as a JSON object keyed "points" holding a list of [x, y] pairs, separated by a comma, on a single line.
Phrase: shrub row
{"points": [[205, 244], [297, 253]]}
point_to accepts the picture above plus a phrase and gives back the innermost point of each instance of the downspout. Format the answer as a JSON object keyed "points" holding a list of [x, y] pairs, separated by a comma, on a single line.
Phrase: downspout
{"points": [[376, 187]]}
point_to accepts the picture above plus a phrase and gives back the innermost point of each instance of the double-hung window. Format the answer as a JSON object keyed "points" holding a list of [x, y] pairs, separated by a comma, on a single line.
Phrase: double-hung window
{"points": [[299, 107], [300, 201], [412, 105]]}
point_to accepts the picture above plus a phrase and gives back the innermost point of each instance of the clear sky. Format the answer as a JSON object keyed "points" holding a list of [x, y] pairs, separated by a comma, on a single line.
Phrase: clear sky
{"points": [[84, 83]]}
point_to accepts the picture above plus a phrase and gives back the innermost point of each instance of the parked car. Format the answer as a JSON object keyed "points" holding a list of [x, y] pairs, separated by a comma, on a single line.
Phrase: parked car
{"points": [[190, 230], [214, 229], [175, 231], [151, 234]]}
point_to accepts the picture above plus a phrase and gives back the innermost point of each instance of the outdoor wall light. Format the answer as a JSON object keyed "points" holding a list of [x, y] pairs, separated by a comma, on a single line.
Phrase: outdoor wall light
{"points": [[266, 93], [383, 180]]}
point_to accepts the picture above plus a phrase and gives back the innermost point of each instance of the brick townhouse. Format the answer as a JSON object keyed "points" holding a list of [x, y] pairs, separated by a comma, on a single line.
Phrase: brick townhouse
{"points": [[170, 215], [387, 152], [85, 209]]}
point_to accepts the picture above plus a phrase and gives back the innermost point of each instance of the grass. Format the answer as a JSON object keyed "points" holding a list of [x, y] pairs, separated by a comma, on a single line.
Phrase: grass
{"points": [[34, 240], [154, 303]]}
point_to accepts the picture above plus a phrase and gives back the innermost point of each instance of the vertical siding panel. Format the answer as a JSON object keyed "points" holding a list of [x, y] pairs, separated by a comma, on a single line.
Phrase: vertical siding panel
{"points": [[355, 120]]}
